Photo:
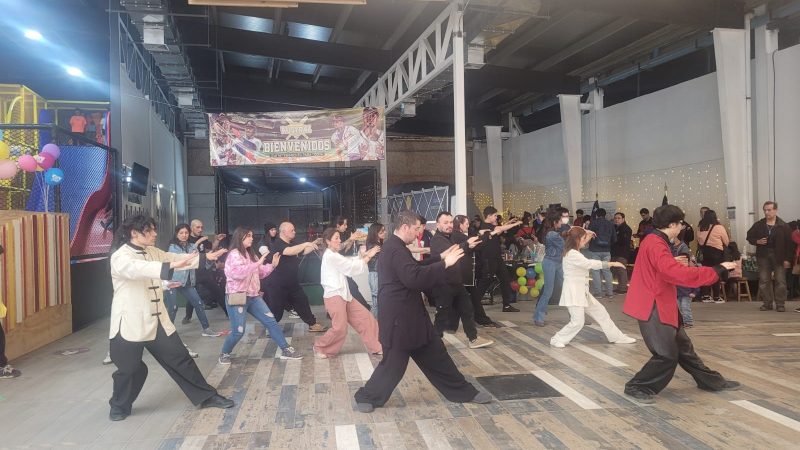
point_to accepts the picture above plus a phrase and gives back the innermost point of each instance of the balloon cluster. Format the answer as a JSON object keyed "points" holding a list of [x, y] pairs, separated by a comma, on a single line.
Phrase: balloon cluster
{"points": [[530, 280], [44, 161]]}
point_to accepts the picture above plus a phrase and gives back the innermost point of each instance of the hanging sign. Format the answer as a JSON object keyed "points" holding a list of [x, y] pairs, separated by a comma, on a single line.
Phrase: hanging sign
{"points": [[356, 134]]}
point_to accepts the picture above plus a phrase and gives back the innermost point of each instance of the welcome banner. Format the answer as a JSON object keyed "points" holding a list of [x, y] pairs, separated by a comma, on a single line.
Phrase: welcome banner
{"points": [[356, 134]]}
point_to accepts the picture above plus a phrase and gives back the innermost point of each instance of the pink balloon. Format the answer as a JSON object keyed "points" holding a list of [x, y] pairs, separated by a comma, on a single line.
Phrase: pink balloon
{"points": [[52, 149], [27, 163], [8, 169], [45, 160]]}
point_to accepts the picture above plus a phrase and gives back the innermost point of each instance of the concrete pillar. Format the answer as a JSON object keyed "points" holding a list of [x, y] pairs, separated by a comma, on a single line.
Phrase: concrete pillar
{"points": [[766, 43], [571, 135], [494, 150], [459, 122]]}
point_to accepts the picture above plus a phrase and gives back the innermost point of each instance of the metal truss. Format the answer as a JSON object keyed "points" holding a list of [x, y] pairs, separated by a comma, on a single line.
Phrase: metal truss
{"points": [[428, 57], [427, 202]]}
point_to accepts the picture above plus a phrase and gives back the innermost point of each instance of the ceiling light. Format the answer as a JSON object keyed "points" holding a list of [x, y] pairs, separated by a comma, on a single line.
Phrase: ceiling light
{"points": [[74, 71], [302, 179], [245, 180], [160, 186], [33, 35]]}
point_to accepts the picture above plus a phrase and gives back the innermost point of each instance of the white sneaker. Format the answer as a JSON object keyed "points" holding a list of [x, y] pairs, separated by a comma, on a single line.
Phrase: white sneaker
{"points": [[208, 332], [293, 315], [480, 342], [556, 344], [719, 300], [107, 359], [193, 354], [625, 339]]}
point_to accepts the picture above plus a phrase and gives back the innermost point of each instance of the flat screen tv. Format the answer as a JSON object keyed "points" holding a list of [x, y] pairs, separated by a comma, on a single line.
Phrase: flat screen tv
{"points": [[139, 178]]}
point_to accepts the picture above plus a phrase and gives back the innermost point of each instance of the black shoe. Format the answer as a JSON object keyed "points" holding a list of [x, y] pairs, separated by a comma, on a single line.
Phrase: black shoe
{"points": [[728, 385], [780, 309], [116, 415], [509, 308], [640, 396], [497, 325], [217, 401], [365, 407], [765, 308]]}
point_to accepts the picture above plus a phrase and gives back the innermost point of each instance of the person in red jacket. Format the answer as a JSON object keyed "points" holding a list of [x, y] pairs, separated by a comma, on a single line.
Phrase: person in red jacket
{"points": [[652, 300]]}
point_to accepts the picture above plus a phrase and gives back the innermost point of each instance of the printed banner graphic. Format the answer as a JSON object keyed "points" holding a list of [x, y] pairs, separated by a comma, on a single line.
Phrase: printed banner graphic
{"points": [[297, 136]]}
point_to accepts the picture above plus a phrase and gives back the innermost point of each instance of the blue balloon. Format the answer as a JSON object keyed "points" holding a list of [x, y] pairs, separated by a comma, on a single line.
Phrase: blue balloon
{"points": [[54, 176], [531, 273]]}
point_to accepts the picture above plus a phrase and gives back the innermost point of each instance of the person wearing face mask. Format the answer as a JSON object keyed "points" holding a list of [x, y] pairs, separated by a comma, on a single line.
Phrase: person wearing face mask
{"points": [[556, 223], [652, 300]]}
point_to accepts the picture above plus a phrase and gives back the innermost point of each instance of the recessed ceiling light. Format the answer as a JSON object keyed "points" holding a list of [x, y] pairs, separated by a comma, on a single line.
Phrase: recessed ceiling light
{"points": [[33, 35], [302, 179], [74, 71], [245, 180]]}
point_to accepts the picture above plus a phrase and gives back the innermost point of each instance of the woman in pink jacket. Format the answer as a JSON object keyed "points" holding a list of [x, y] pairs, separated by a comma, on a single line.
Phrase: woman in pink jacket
{"points": [[244, 271], [712, 238]]}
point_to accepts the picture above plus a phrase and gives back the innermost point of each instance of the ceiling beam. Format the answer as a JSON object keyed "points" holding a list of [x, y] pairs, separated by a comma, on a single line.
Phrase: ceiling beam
{"points": [[337, 31], [277, 27], [256, 91], [539, 82], [585, 42], [701, 13], [535, 28]]}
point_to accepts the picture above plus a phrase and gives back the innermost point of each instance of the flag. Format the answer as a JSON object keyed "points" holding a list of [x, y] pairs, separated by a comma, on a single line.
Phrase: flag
{"points": [[595, 207], [664, 200]]}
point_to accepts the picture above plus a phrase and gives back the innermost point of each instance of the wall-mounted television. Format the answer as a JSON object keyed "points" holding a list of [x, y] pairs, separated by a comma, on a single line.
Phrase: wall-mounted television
{"points": [[140, 176]]}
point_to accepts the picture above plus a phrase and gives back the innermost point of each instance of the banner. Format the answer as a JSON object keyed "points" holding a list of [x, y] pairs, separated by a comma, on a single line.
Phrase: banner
{"points": [[357, 134]]}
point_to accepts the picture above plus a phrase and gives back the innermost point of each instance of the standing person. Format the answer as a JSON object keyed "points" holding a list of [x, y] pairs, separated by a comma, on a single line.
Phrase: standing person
{"points": [[772, 239], [205, 279], [243, 269], [405, 329], [183, 281], [491, 257], [334, 273], [554, 223], [714, 239], [451, 295], [375, 237], [575, 294], [6, 371], [645, 225], [270, 234], [621, 251], [686, 295], [283, 287], [703, 210], [600, 249], [139, 319], [652, 300], [348, 246], [579, 218], [462, 231]]}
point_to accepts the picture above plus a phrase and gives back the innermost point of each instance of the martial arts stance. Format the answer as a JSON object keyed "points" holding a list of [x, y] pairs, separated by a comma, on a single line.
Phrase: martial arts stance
{"points": [[575, 294], [652, 299], [139, 319], [405, 328]]}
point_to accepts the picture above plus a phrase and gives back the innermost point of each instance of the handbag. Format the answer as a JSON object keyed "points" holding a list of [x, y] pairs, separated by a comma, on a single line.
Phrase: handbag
{"points": [[699, 254], [238, 298]]}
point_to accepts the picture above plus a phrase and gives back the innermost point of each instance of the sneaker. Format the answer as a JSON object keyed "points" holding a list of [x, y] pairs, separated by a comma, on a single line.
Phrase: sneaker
{"points": [[640, 396], [491, 325], [625, 339], [107, 360], [208, 332], [706, 299], [193, 354], [480, 342], [290, 353], [766, 308], [797, 310], [728, 385], [320, 355], [293, 314], [780, 309], [365, 407], [538, 323], [186, 320], [224, 358], [317, 328], [509, 308], [481, 397], [9, 372], [556, 344], [719, 300]]}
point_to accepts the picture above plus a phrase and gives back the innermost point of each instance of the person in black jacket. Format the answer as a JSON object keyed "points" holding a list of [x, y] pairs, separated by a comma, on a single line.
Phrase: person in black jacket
{"points": [[774, 252], [452, 295], [621, 250], [492, 264], [405, 329], [600, 249], [463, 230]]}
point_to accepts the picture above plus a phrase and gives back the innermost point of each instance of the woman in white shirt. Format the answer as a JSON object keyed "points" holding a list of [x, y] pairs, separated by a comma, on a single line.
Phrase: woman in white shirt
{"points": [[338, 302], [575, 292]]}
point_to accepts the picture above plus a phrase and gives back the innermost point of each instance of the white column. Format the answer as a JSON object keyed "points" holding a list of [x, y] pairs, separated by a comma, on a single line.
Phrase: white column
{"points": [[494, 150], [730, 52], [596, 137], [571, 135], [459, 128], [766, 43]]}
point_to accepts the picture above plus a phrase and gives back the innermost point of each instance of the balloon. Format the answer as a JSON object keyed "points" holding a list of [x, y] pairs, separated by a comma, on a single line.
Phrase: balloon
{"points": [[522, 281], [5, 153], [8, 169], [523, 290], [27, 163], [537, 267], [534, 292], [45, 160], [539, 283], [51, 149], [531, 282], [514, 286], [531, 272], [54, 176], [520, 272]]}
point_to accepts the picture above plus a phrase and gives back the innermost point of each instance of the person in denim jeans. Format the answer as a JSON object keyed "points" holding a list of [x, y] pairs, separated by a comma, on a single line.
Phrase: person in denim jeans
{"points": [[183, 281], [556, 222], [686, 295], [600, 249], [375, 237], [243, 272]]}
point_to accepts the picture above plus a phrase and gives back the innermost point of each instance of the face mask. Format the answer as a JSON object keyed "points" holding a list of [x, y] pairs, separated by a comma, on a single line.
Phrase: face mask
{"points": [[565, 220]]}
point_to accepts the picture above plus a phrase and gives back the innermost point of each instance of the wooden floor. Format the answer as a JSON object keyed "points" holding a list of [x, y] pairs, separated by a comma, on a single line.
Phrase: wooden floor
{"points": [[62, 401]]}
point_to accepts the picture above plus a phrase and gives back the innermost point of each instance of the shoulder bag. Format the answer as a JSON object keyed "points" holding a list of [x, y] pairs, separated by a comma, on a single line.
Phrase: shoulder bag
{"points": [[239, 298], [699, 255]]}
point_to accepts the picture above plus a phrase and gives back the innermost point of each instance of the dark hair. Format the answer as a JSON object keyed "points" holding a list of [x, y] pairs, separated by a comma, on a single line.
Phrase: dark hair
{"points": [[443, 213], [268, 226], [770, 202], [733, 248], [709, 220], [553, 216], [340, 220], [459, 220], [622, 214], [139, 222], [586, 218], [488, 211], [527, 217], [600, 212], [236, 243], [178, 228], [327, 235], [372, 234], [645, 211], [406, 217], [667, 214], [421, 218], [573, 240], [579, 212], [562, 210]]}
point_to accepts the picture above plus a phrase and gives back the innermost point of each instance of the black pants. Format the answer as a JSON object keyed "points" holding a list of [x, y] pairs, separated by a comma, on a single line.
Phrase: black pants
{"points": [[670, 347], [279, 297], [477, 307], [209, 291], [3, 358], [352, 286], [173, 357], [452, 300], [495, 267], [711, 257], [432, 359]]}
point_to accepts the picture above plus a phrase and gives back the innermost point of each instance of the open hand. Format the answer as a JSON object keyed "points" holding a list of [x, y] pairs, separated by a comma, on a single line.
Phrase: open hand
{"points": [[453, 256], [473, 241], [373, 251], [276, 259], [762, 241], [185, 261], [212, 256]]}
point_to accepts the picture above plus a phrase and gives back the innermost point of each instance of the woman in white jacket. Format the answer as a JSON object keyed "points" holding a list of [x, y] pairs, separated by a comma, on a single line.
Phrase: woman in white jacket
{"points": [[339, 303], [575, 293]]}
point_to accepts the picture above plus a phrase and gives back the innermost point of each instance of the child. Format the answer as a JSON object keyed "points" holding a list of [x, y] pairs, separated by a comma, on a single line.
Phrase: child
{"points": [[575, 293], [685, 294]]}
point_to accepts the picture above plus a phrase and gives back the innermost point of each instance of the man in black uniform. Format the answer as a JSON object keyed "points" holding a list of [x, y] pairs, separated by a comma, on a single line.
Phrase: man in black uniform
{"points": [[406, 330], [491, 258]]}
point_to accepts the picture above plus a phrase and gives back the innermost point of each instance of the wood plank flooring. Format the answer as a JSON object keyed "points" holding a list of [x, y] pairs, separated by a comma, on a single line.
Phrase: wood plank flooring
{"points": [[62, 401]]}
